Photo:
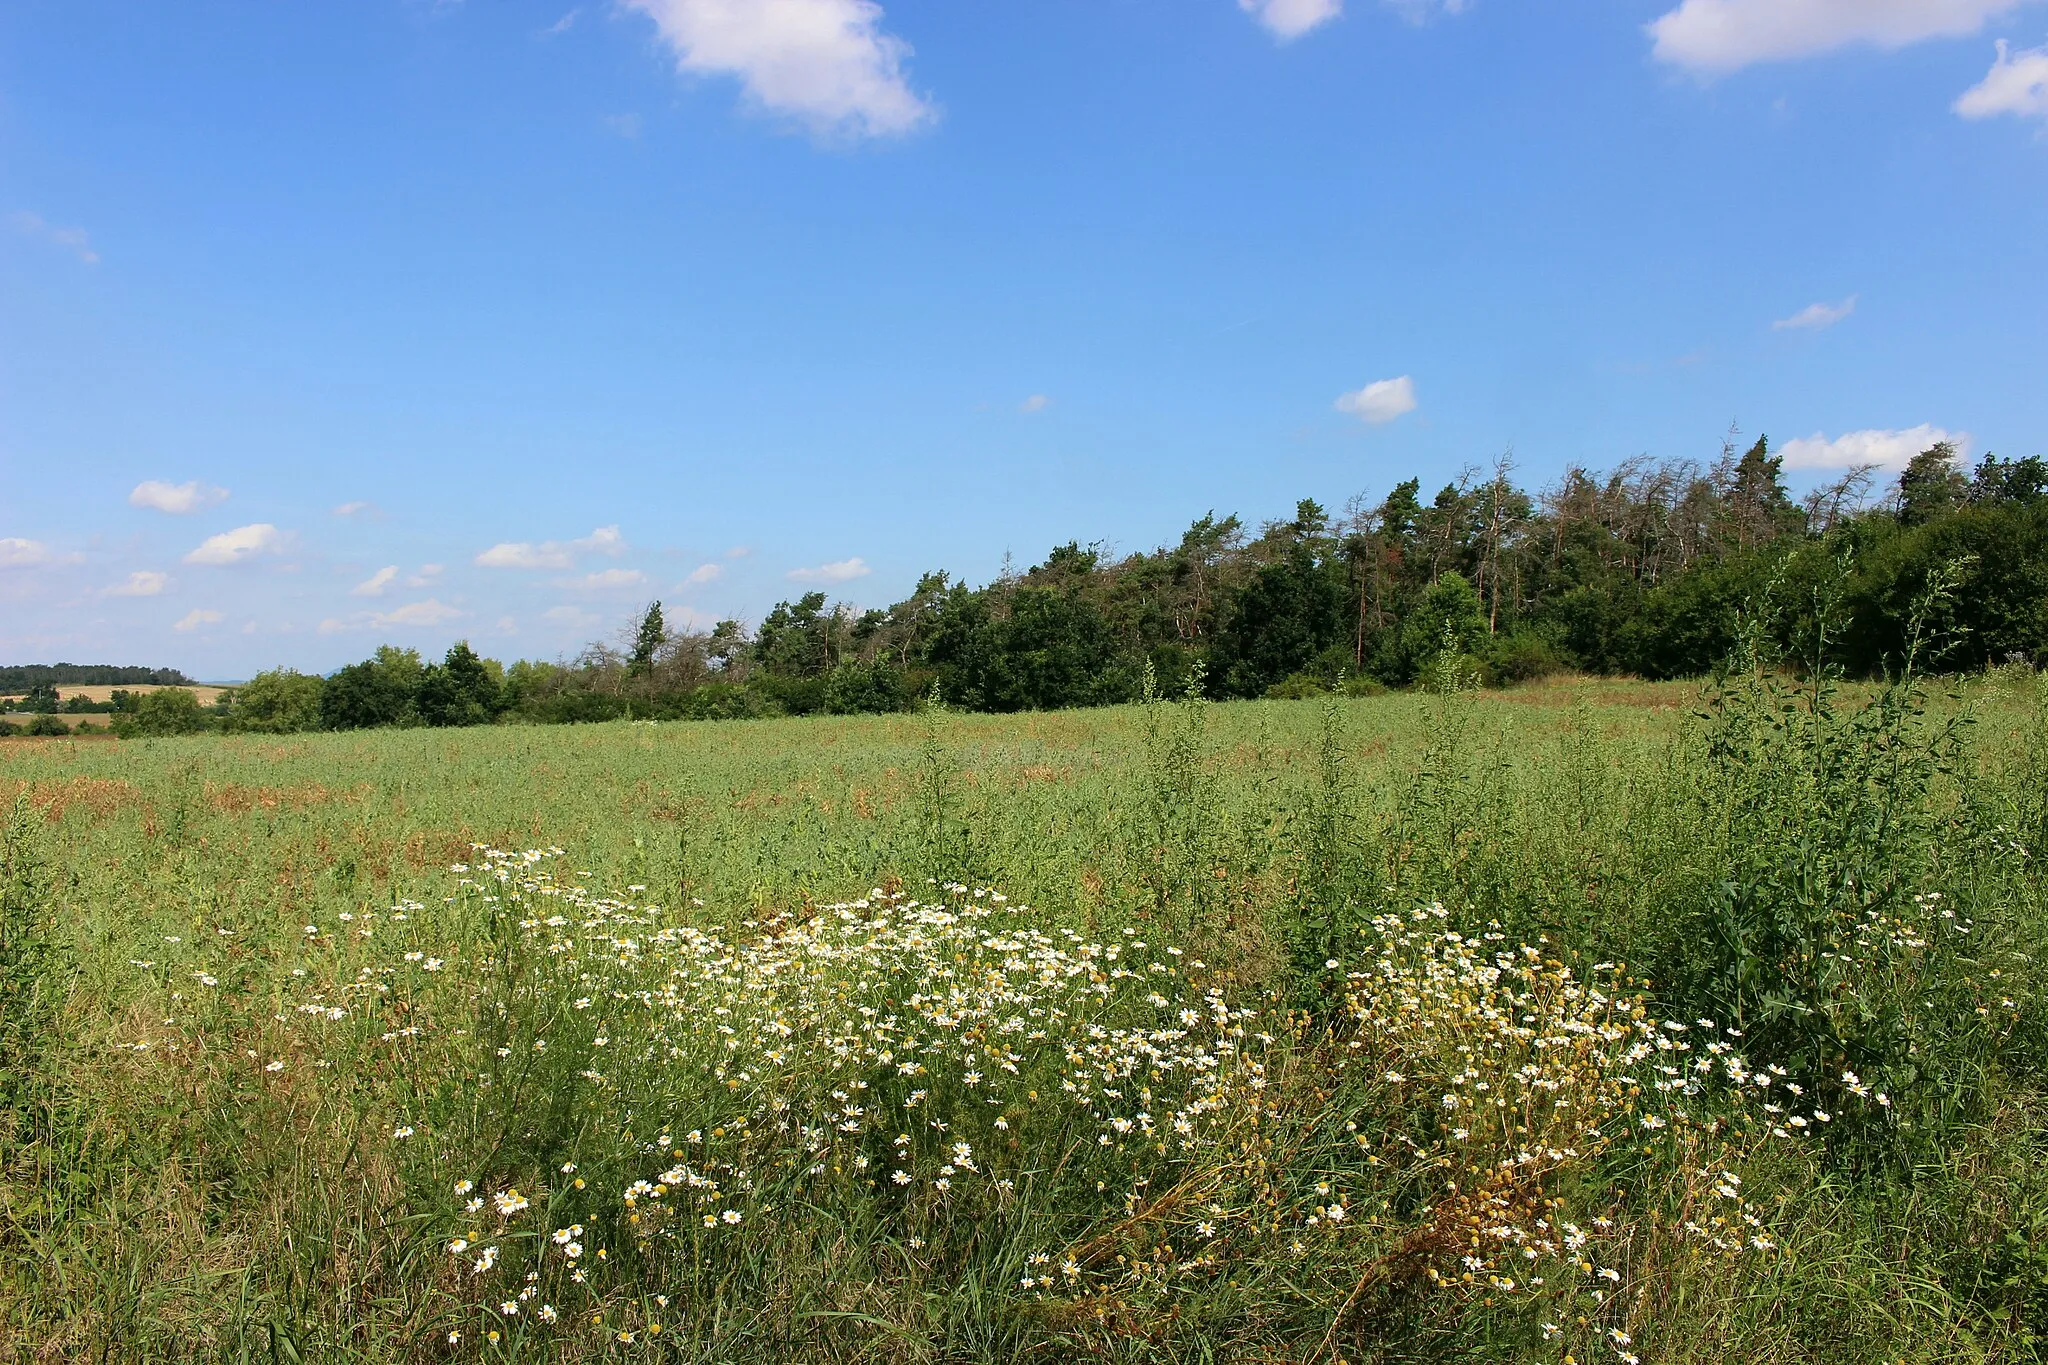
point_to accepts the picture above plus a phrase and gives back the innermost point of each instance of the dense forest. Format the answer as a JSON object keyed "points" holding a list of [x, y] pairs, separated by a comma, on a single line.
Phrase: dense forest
{"points": [[1648, 569], [19, 678]]}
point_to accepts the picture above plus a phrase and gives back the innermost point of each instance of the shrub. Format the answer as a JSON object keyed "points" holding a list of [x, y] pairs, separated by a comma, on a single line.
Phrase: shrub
{"points": [[167, 711]]}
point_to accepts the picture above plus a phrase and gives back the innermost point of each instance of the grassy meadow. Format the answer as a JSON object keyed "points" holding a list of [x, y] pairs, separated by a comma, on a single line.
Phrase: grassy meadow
{"points": [[1585, 1021]]}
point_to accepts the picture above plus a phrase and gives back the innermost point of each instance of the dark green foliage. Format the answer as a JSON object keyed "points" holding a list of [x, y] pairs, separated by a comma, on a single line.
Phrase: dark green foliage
{"points": [[22, 676], [1931, 486], [647, 642], [1649, 569], [460, 690], [45, 724], [377, 691]]}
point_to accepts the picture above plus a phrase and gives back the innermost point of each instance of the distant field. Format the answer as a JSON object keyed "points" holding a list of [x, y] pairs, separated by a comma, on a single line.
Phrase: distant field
{"points": [[103, 692], [704, 1088]]}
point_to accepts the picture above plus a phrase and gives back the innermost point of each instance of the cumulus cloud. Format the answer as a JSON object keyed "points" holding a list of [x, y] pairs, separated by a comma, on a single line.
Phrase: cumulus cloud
{"points": [[175, 498], [1714, 37], [195, 618], [2016, 84], [1816, 316], [16, 553], [703, 573], [1885, 449], [376, 583], [71, 239], [244, 542], [141, 583], [1289, 19], [844, 571], [551, 554], [825, 63], [427, 575], [1380, 401]]}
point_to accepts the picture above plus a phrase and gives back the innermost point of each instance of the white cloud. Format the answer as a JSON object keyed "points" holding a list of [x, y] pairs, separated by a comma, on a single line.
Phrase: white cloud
{"points": [[376, 583], [175, 498], [428, 575], [1816, 316], [703, 573], [563, 24], [358, 509], [16, 553], [825, 63], [844, 571], [1037, 402], [739, 552], [551, 554], [427, 613], [71, 239], [607, 578], [1717, 36], [1885, 449], [244, 542], [2016, 84], [1289, 19], [1380, 401], [195, 618], [141, 583]]}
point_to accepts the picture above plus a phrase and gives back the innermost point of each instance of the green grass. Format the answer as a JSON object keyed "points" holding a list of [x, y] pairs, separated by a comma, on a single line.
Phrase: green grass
{"points": [[185, 1202]]}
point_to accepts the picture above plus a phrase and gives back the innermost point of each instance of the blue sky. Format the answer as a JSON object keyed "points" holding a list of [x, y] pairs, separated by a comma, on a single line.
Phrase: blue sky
{"points": [[323, 325]]}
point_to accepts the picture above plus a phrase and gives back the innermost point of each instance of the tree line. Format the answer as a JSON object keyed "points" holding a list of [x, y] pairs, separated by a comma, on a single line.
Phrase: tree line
{"points": [[1649, 569]]}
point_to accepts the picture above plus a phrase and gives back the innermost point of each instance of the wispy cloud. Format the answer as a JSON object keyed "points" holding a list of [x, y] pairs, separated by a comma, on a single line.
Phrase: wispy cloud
{"points": [[427, 613], [376, 584], [842, 571], [1816, 316], [141, 583], [1714, 37], [702, 574], [561, 25], [71, 239], [571, 618], [1422, 11], [551, 554], [197, 617], [242, 543], [1037, 402], [2017, 84], [359, 509], [1380, 401], [175, 498], [1886, 449], [827, 64], [605, 579]]}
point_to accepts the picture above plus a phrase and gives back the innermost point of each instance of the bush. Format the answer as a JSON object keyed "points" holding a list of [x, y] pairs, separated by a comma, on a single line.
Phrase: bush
{"points": [[1522, 655], [171, 711], [281, 701]]}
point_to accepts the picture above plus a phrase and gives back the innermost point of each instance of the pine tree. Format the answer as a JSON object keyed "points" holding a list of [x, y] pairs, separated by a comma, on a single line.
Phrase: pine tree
{"points": [[648, 642]]}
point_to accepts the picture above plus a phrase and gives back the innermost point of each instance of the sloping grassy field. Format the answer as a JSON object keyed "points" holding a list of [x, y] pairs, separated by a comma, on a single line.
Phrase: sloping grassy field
{"points": [[1416, 1027]]}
